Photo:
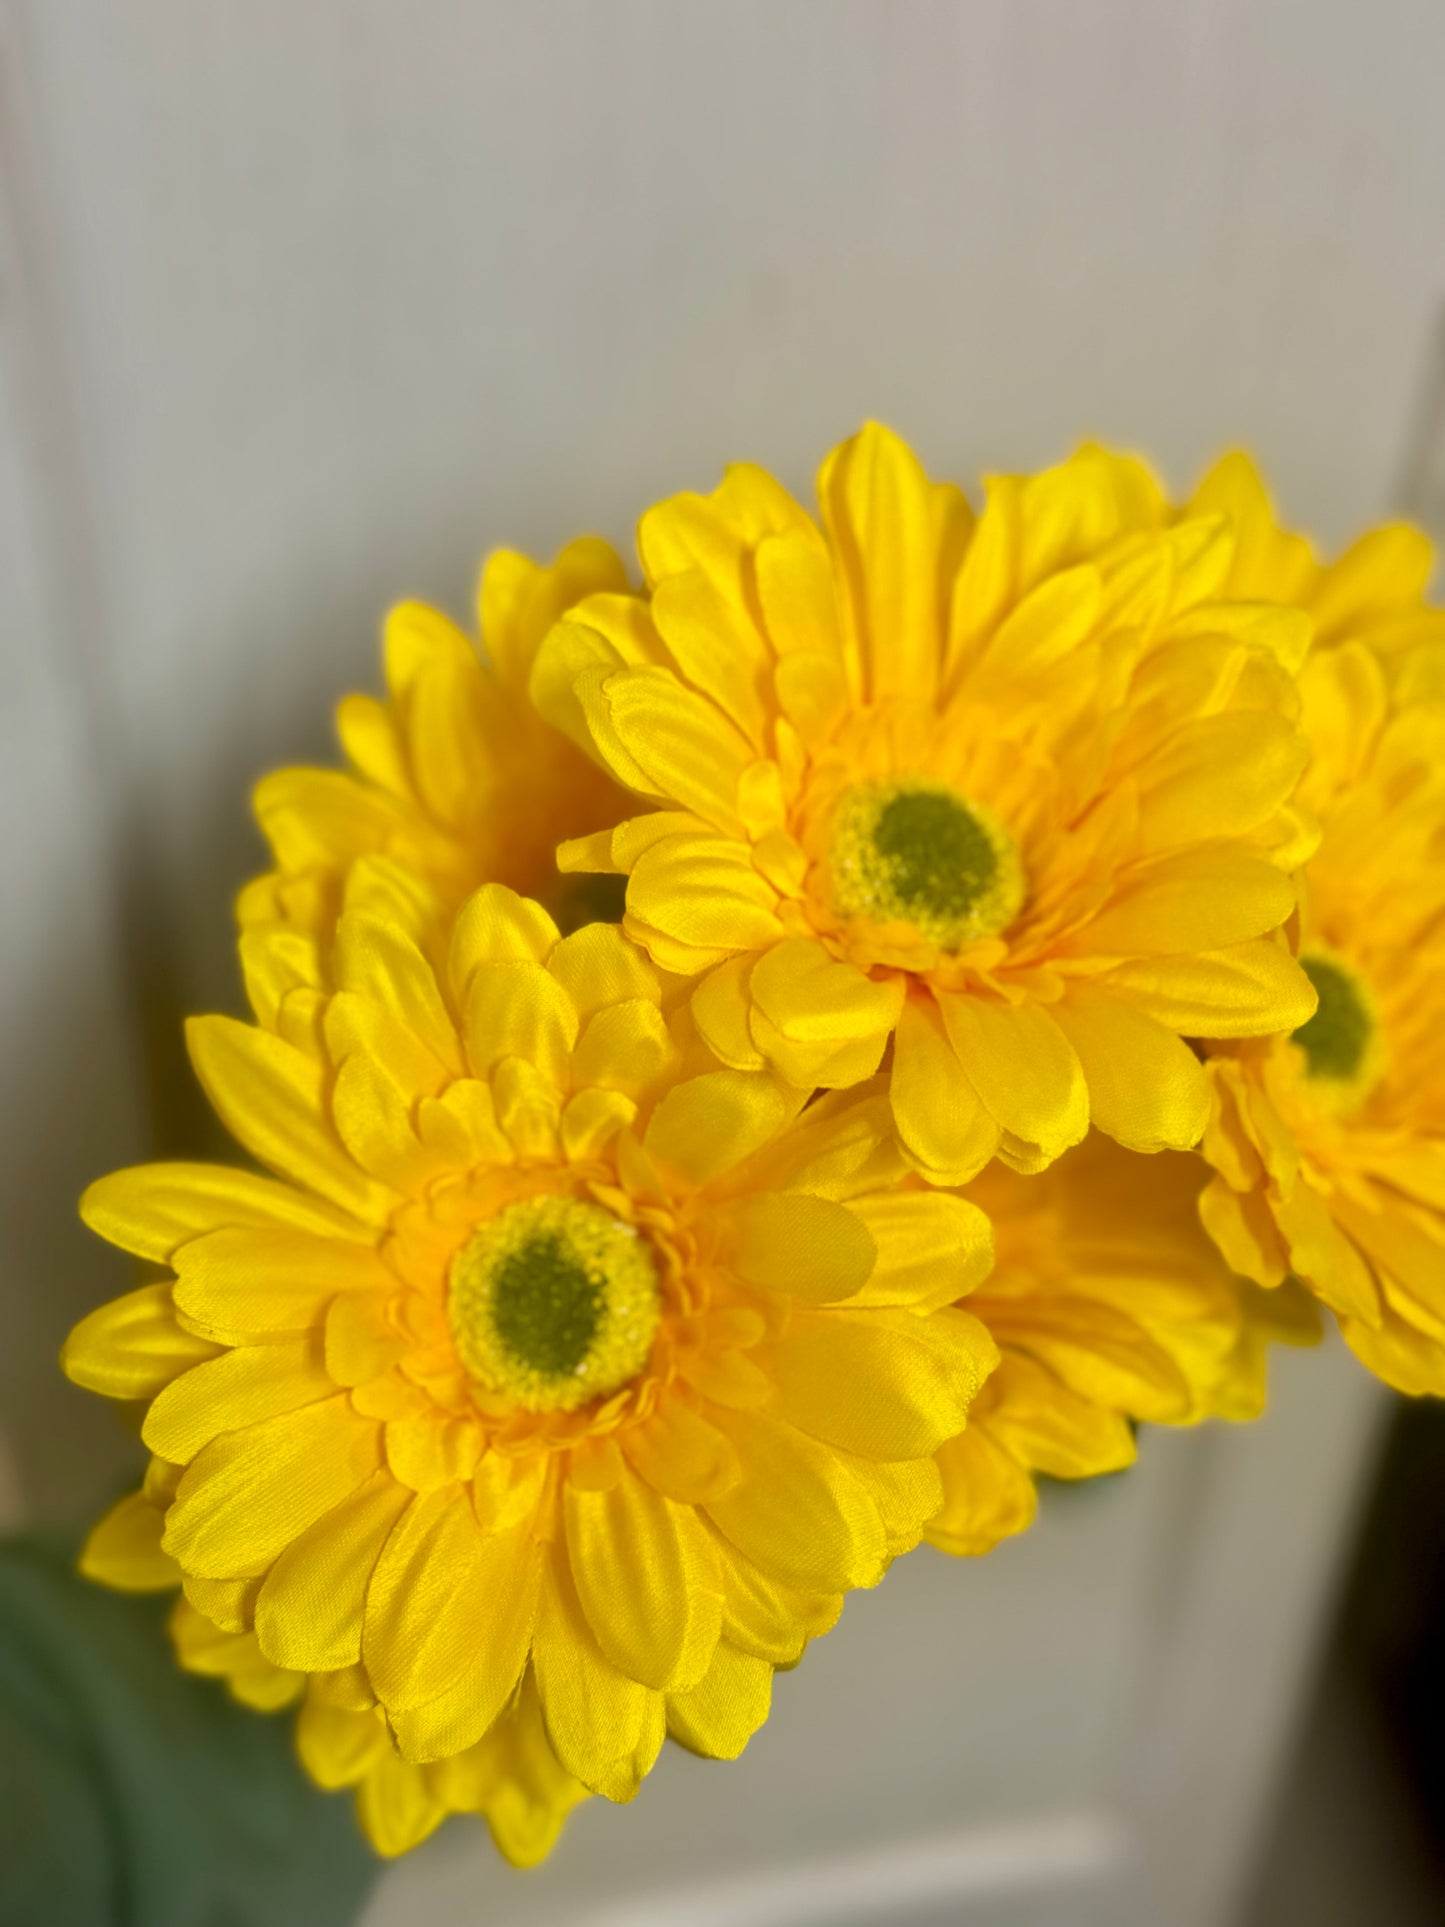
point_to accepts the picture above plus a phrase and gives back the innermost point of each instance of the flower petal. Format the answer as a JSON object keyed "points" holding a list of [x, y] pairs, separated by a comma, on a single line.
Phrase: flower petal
{"points": [[884, 1384], [944, 1127], [1146, 1088], [133, 1347], [272, 1099], [311, 1604], [797, 1513], [717, 1717], [249, 1494], [1023, 1068]]}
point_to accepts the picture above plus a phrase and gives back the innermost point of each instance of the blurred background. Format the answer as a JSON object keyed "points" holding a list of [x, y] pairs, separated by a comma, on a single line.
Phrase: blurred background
{"points": [[303, 308]]}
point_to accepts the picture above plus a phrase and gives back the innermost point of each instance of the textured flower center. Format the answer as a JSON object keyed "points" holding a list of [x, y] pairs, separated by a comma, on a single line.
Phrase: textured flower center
{"points": [[916, 849], [1336, 1039], [554, 1302]]}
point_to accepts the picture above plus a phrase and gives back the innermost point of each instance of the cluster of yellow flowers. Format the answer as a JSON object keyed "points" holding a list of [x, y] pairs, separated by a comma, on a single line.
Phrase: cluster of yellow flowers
{"points": [[1028, 998]]}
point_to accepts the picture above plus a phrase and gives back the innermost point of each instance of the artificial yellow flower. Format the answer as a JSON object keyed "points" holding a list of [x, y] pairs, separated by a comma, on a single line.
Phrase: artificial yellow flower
{"points": [[1329, 1145], [1109, 1307], [1015, 794], [454, 776], [1373, 593], [561, 1359]]}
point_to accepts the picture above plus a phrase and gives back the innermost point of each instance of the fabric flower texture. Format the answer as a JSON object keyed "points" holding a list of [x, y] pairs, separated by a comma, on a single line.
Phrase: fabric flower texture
{"points": [[565, 1377], [1329, 1144], [1011, 799], [455, 777]]}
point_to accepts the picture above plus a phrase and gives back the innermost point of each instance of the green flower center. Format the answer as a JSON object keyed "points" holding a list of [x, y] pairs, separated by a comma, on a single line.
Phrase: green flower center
{"points": [[916, 850], [1336, 1039], [554, 1302]]}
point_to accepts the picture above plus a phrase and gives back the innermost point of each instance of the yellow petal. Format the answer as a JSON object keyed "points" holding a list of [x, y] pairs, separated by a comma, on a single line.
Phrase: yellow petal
{"points": [[626, 1554], [705, 893], [798, 1246], [896, 541], [272, 1099], [338, 1748], [124, 1548], [603, 633], [1053, 1429], [1222, 776], [717, 1717], [495, 925], [681, 1454], [310, 1607], [429, 1598], [373, 1118], [884, 1384], [591, 1120], [906, 1493], [1251, 990], [1246, 1234], [721, 1007], [382, 963], [133, 1347], [519, 1010], [249, 1494], [597, 966], [394, 1807], [711, 636], [518, 600], [816, 1009], [1023, 1068], [945, 1129], [321, 819], [769, 1620], [239, 1388], [232, 1284], [150, 1209], [797, 1513], [1385, 568], [706, 1125], [932, 1248], [988, 1495], [1147, 1089], [626, 1047], [528, 1107], [602, 1725], [1203, 899]]}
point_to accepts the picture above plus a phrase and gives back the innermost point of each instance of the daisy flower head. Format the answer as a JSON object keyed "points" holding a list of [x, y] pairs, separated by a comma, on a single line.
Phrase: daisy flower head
{"points": [[1009, 800], [1329, 1144], [1110, 1308], [555, 1360], [453, 776]]}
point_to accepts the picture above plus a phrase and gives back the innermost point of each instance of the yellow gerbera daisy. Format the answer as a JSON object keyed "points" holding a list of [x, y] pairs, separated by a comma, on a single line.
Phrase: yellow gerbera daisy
{"points": [[1015, 794], [1109, 1307], [454, 775], [560, 1354], [1330, 1144]]}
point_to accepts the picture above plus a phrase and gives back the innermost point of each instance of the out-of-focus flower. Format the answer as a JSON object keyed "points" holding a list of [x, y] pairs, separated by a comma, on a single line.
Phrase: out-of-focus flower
{"points": [[454, 777], [1014, 794], [1373, 593], [1110, 1307], [1329, 1145]]}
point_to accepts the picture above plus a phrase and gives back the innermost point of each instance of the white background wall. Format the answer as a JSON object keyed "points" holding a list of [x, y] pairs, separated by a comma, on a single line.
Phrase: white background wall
{"points": [[305, 303]]}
